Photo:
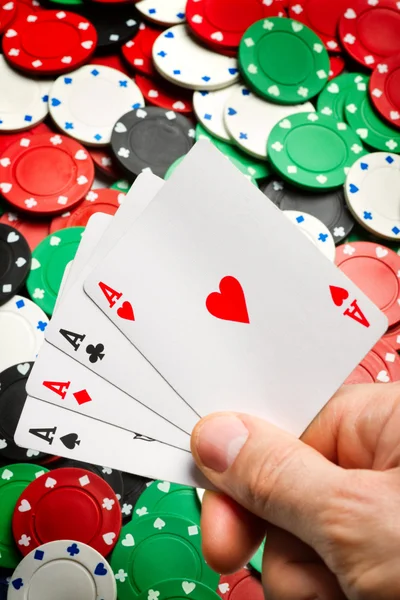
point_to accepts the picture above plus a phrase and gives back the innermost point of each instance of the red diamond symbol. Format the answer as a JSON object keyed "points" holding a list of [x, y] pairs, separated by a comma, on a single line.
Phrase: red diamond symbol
{"points": [[82, 397]]}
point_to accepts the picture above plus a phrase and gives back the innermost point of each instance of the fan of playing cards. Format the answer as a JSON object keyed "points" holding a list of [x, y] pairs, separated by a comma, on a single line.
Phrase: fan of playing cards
{"points": [[199, 295]]}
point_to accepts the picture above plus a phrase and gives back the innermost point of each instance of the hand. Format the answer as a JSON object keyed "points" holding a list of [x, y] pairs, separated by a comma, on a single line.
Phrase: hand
{"points": [[330, 503]]}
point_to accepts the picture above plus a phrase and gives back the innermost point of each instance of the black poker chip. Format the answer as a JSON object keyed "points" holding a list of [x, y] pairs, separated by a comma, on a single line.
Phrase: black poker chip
{"points": [[329, 207], [12, 400], [151, 138], [15, 262], [134, 485], [111, 476], [114, 25]]}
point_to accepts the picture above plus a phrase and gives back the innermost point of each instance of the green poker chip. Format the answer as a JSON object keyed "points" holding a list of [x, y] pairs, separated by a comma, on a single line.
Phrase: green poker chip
{"points": [[156, 547], [13, 481], [313, 151], [122, 185], [362, 117], [49, 260], [258, 169], [168, 498], [331, 101], [283, 60], [179, 589], [256, 560]]}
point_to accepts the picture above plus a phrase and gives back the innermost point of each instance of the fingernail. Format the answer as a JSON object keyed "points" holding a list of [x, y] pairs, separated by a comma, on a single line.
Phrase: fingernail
{"points": [[219, 441]]}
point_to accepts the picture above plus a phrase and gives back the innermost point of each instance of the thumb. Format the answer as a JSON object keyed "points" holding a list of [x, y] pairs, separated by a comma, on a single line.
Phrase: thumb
{"points": [[269, 472]]}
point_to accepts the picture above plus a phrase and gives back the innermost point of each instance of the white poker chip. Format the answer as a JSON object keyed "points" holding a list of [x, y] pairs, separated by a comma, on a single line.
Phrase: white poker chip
{"points": [[22, 328], [315, 230], [163, 12], [183, 61], [249, 119], [200, 494], [210, 107], [372, 192], [23, 101], [63, 569], [86, 103]]}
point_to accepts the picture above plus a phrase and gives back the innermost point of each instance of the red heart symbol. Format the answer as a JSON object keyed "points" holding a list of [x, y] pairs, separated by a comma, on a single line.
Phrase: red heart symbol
{"points": [[339, 295], [126, 311], [229, 303]]}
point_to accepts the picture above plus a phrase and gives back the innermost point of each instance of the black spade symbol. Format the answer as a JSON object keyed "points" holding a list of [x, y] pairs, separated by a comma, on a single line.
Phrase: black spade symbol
{"points": [[70, 441]]}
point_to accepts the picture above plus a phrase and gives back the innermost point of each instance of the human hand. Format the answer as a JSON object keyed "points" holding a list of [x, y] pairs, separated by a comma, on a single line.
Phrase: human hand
{"points": [[330, 502]]}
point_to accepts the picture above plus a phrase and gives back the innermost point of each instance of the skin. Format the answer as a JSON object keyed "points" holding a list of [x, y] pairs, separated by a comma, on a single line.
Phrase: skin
{"points": [[328, 502]]}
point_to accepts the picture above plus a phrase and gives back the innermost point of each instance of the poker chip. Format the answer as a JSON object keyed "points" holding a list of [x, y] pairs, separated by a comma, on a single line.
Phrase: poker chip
{"points": [[250, 165], [223, 25], [240, 585], [104, 162], [315, 231], [243, 169], [313, 150], [23, 101], [365, 121], [104, 200], [67, 504], [49, 260], [8, 10], [75, 568], [138, 51], [15, 262], [168, 498], [250, 119], [370, 30], [160, 93], [174, 589], [392, 336], [332, 100], [33, 231], [22, 327], [381, 365], [12, 400], [7, 138], [210, 109], [68, 167], [87, 103], [134, 485], [384, 89], [161, 12], [257, 559], [329, 207], [337, 65], [53, 42], [151, 138], [111, 60], [322, 17], [374, 269], [183, 61], [373, 193], [283, 61], [122, 185], [113, 27], [151, 548], [13, 481]]}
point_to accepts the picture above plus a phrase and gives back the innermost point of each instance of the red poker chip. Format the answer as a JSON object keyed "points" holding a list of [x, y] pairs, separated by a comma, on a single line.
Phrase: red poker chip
{"points": [[337, 66], [45, 174], [392, 336], [8, 11], [6, 139], [160, 93], [67, 504], [103, 160], [25, 8], [374, 269], [105, 200], [384, 89], [50, 42], [223, 23], [112, 60], [322, 16], [381, 365], [138, 51], [33, 231], [370, 30], [242, 585]]}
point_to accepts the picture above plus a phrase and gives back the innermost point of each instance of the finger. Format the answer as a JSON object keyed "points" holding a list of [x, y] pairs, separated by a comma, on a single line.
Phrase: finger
{"points": [[268, 471], [231, 535], [293, 571]]}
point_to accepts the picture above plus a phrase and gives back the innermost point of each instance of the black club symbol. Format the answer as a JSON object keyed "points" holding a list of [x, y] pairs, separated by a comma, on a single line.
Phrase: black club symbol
{"points": [[96, 352]]}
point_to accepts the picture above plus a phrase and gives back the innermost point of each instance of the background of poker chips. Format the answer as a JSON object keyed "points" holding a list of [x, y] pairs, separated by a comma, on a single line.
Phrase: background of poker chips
{"points": [[362, 100]]}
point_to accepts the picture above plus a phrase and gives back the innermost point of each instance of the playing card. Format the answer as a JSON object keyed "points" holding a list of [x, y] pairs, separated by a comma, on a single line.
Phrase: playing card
{"points": [[82, 331], [50, 428], [230, 302]]}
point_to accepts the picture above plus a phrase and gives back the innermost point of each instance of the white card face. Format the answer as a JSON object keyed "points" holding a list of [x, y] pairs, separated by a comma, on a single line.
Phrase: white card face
{"points": [[50, 428], [230, 302], [78, 323]]}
